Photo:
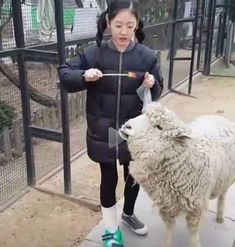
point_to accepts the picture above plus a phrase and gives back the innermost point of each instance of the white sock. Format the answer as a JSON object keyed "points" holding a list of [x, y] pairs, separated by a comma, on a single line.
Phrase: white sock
{"points": [[110, 218], [127, 215]]}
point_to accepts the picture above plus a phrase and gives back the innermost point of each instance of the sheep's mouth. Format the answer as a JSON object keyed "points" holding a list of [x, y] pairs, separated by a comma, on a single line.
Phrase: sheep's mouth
{"points": [[123, 134]]}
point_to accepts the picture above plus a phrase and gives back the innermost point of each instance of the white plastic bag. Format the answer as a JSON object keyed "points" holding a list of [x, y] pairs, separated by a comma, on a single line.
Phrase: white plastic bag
{"points": [[144, 94]]}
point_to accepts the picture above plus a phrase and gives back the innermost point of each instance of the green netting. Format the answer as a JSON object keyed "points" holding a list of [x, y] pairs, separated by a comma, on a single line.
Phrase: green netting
{"points": [[68, 17]]}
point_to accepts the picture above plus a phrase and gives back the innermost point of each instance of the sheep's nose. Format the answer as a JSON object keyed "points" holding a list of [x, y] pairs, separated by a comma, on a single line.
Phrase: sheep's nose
{"points": [[127, 126]]}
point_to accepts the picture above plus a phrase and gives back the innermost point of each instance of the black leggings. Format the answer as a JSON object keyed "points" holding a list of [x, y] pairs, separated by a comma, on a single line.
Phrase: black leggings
{"points": [[109, 179]]}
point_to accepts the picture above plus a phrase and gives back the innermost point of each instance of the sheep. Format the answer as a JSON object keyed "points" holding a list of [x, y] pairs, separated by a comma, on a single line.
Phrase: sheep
{"points": [[181, 166]]}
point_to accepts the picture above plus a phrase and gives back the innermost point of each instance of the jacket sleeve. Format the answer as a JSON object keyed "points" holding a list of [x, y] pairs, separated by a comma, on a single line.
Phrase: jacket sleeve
{"points": [[157, 88], [71, 74]]}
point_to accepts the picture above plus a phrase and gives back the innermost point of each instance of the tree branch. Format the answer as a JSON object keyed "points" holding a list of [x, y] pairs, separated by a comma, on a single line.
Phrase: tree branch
{"points": [[34, 94]]}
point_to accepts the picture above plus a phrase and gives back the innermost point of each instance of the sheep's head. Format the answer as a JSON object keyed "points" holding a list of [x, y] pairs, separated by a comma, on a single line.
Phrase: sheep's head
{"points": [[170, 125], [134, 127], [150, 138], [161, 122]]}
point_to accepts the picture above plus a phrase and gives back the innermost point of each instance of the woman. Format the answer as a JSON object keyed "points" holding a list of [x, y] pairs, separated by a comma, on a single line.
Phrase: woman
{"points": [[111, 101]]}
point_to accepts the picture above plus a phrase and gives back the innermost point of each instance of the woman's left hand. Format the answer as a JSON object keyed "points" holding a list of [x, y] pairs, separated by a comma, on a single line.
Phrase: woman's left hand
{"points": [[148, 80]]}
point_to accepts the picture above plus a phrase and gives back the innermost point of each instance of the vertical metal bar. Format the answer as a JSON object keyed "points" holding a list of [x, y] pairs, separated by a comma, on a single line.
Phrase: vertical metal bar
{"points": [[210, 34], [59, 19], [209, 12], [200, 34], [25, 100], [193, 47], [212, 31], [226, 23], [229, 42], [171, 68], [223, 33], [219, 38]]}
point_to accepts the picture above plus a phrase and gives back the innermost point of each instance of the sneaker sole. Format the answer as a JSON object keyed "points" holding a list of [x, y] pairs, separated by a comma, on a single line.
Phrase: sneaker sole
{"points": [[140, 232]]}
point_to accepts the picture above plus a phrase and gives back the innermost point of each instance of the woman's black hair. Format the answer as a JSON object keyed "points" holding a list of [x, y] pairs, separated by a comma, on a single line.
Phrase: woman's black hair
{"points": [[112, 10]]}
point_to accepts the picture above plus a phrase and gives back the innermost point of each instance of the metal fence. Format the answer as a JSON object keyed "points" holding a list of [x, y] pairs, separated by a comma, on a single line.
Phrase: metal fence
{"points": [[41, 126]]}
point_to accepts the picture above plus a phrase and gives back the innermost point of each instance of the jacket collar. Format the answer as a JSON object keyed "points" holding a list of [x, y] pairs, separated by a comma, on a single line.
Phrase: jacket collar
{"points": [[113, 47]]}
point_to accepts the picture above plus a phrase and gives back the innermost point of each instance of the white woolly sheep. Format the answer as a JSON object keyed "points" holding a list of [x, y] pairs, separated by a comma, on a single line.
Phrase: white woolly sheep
{"points": [[181, 166]]}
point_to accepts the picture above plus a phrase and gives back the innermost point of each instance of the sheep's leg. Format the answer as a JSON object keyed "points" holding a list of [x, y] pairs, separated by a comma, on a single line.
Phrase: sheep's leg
{"points": [[220, 208], [193, 222], [169, 223], [168, 234]]}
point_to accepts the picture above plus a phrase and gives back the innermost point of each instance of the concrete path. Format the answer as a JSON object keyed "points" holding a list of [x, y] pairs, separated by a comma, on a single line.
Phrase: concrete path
{"points": [[212, 234]]}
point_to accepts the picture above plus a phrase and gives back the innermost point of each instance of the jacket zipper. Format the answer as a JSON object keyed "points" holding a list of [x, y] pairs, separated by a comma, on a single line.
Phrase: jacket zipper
{"points": [[118, 104]]}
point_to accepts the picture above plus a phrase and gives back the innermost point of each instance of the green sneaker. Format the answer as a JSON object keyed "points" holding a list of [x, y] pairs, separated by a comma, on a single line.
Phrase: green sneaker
{"points": [[113, 239]]}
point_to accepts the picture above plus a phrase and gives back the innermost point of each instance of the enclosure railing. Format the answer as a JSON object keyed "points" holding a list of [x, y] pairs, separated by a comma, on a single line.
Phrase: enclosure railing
{"points": [[35, 114]]}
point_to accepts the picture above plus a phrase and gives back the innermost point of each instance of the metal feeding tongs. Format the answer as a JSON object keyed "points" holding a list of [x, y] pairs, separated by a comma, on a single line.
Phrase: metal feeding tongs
{"points": [[129, 74]]}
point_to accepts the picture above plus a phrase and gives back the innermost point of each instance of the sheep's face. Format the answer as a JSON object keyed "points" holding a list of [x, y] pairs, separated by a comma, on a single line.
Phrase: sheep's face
{"points": [[162, 123], [135, 127]]}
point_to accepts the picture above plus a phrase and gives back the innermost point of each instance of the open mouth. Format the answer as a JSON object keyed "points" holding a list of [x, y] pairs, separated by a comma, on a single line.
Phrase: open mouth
{"points": [[123, 39], [123, 134]]}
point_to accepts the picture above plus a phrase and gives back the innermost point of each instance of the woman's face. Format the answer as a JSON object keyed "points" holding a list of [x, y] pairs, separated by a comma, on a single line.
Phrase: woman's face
{"points": [[123, 28]]}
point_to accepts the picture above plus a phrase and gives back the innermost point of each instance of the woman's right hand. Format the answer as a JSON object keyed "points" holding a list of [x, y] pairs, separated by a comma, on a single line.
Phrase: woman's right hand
{"points": [[93, 74]]}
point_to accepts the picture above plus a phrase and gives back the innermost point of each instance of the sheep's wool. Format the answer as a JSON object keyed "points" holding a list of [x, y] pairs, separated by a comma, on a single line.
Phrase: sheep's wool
{"points": [[181, 166]]}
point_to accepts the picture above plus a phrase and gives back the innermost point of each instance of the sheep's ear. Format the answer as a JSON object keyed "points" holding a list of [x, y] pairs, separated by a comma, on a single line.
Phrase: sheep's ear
{"points": [[182, 137]]}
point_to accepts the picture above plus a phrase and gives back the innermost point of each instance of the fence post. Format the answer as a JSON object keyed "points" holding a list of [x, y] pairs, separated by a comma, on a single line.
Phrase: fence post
{"points": [[7, 144], [210, 33], [59, 19], [78, 97], [18, 138], [46, 118], [19, 38], [229, 43], [172, 49], [74, 108], [59, 113], [54, 118]]}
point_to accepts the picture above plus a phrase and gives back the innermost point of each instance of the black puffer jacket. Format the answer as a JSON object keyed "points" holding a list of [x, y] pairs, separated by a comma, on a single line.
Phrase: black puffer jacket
{"points": [[111, 100]]}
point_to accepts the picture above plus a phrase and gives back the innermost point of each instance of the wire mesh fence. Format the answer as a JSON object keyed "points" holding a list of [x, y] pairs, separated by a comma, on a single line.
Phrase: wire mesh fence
{"points": [[13, 176], [47, 156], [7, 31], [13, 180], [80, 19]]}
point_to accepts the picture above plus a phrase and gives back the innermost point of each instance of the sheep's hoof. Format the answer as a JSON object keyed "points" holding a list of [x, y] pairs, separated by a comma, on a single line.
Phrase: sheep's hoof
{"points": [[220, 220]]}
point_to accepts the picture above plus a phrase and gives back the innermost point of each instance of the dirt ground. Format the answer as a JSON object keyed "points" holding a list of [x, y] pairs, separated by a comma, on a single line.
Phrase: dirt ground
{"points": [[40, 220]]}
